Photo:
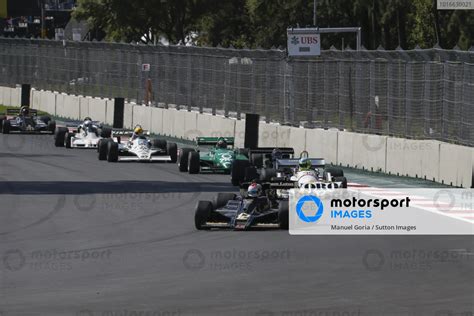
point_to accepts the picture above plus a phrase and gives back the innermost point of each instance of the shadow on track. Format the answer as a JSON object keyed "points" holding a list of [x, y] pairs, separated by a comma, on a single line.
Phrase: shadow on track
{"points": [[85, 187]]}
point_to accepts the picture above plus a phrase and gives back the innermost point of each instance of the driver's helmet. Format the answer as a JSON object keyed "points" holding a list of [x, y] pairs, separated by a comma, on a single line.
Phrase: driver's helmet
{"points": [[138, 130], [87, 124], [305, 163], [221, 143], [87, 119], [24, 111], [276, 154], [307, 181], [254, 190]]}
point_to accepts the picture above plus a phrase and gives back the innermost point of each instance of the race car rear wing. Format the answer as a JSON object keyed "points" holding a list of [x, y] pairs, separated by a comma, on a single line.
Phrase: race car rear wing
{"points": [[126, 132], [315, 163], [16, 112], [286, 152], [213, 140]]}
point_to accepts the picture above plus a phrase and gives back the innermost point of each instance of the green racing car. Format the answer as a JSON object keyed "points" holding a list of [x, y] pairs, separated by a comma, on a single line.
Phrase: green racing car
{"points": [[212, 154]]}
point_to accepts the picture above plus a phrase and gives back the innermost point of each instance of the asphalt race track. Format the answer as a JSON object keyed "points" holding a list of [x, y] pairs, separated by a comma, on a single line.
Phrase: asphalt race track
{"points": [[79, 236]]}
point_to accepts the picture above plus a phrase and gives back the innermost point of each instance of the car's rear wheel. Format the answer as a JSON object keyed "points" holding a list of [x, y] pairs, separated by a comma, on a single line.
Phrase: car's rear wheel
{"points": [[335, 172], [266, 174], [222, 198], [172, 150], [6, 127], [158, 143], [112, 151], [45, 119], [237, 171], [193, 162], [51, 126], [343, 180], [60, 136], [102, 148], [283, 214], [202, 214], [105, 132], [183, 154], [257, 160], [68, 139]]}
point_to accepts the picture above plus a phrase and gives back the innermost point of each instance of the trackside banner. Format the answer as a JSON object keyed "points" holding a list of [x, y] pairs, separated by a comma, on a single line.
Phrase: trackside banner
{"points": [[378, 211]]}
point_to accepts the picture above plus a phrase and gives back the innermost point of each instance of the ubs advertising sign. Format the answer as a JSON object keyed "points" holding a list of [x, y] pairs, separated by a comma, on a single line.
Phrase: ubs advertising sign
{"points": [[304, 42]]}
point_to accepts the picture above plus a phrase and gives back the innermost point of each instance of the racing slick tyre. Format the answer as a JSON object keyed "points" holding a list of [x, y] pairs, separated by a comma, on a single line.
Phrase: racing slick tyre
{"points": [[67, 140], [257, 160], [112, 151], [105, 132], [60, 136], [283, 214], [172, 150], [266, 174], [251, 174], [222, 198], [45, 119], [6, 127], [335, 172], [237, 171], [202, 214], [183, 154], [2, 117], [102, 147], [52, 126], [158, 143], [343, 180], [243, 151], [193, 162]]}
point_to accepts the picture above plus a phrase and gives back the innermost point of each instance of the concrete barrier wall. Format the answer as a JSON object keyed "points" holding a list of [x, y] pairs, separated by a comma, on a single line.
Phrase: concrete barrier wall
{"points": [[98, 109], [322, 144], [68, 106], [7, 92], [128, 115], [48, 102], [455, 166], [268, 135], [109, 112], [433, 160], [142, 116], [369, 151]]}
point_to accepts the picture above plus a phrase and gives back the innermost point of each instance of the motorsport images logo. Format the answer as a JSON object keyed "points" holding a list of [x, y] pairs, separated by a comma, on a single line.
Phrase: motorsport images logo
{"points": [[312, 205]]}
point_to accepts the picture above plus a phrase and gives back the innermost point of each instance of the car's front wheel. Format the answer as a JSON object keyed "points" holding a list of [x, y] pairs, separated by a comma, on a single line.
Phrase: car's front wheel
{"points": [[6, 127], [112, 152], [283, 215], [102, 147], [172, 150], [60, 136], [183, 154], [193, 162], [202, 214]]}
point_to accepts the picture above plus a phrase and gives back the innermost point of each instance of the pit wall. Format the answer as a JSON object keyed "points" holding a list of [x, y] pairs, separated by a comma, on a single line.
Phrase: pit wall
{"points": [[430, 159]]}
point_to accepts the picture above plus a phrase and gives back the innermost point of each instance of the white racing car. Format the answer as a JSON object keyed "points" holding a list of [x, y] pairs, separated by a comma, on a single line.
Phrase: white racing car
{"points": [[84, 135], [139, 149]]}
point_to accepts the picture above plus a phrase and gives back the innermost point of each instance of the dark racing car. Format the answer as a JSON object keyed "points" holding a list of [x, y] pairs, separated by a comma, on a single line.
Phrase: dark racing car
{"points": [[247, 211], [26, 120]]}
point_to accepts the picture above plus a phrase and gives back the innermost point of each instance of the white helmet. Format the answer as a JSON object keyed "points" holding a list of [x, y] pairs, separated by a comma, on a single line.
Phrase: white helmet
{"points": [[254, 190], [307, 181]]}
